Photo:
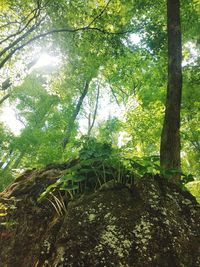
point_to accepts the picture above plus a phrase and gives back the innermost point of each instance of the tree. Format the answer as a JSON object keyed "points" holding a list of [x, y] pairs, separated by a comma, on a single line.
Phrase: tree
{"points": [[89, 38], [170, 138]]}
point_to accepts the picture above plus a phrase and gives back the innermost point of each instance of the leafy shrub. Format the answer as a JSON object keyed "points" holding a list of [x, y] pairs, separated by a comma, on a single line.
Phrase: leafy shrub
{"points": [[97, 164]]}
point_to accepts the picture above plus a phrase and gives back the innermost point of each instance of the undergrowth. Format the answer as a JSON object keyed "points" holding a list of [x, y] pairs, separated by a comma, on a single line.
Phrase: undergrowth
{"points": [[98, 165]]}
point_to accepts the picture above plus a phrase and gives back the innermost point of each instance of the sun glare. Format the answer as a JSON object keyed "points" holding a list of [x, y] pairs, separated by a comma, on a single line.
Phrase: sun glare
{"points": [[192, 54], [135, 38], [46, 60]]}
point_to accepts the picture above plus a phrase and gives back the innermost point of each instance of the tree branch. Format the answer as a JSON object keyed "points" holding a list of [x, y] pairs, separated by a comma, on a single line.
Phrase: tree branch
{"points": [[42, 35], [7, 24], [115, 97], [23, 28], [4, 98], [100, 14], [21, 37], [7, 83]]}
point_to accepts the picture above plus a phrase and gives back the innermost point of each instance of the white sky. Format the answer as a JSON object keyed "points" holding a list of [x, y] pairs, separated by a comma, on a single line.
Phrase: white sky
{"points": [[134, 38], [8, 116]]}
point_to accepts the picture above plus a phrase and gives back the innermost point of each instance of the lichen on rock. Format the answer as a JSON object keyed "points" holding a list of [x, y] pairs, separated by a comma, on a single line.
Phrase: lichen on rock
{"points": [[150, 224]]}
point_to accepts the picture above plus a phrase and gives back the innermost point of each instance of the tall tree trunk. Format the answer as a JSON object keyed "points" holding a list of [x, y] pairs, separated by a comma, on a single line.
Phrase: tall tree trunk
{"points": [[170, 138], [91, 123], [68, 131]]}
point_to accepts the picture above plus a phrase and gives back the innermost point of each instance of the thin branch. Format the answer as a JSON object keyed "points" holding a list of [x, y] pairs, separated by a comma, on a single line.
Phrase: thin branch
{"points": [[136, 86], [115, 97], [20, 30], [4, 98], [7, 83], [100, 14], [21, 37], [80, 101], [7, 24], [123, 92], [42, 35], [2, 63]]}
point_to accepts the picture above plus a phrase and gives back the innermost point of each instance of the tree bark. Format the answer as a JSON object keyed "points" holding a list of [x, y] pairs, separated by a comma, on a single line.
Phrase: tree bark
{"points": [[75, 114], [170, 138], [91, 124]]}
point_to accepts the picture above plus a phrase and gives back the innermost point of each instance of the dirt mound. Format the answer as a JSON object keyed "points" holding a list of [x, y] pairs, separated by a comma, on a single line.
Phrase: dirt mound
{"points": [[152, 223]]}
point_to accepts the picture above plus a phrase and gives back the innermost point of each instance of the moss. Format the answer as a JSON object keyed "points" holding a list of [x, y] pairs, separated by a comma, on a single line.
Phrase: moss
{"points": [[142, 234]]}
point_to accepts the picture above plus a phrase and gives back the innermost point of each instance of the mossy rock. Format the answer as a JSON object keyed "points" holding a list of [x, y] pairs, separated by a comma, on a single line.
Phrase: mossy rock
{"points": [[151, 224]]}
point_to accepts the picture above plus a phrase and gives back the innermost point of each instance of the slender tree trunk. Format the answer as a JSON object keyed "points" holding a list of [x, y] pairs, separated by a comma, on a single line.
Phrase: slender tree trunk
{"points": [[68, 131], [170, 138], [91, 123]]}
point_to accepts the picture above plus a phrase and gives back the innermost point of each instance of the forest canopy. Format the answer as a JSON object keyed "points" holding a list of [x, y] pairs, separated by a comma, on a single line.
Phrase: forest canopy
{"points": [[72, 71]]}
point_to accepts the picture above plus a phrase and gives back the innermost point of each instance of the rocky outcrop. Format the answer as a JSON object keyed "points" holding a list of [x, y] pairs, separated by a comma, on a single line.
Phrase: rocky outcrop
{"points": [[152, 223]]}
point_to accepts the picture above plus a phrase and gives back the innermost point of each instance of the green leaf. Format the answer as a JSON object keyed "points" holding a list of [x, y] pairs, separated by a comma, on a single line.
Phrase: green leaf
{"points": [[70, 187], [79, 178]]}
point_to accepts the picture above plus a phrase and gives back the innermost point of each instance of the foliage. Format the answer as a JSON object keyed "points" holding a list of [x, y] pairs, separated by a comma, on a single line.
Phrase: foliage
{"points": [[194, 188], [98, 163], [98, 166], [144, 126], [108, 131], [96, 45]]}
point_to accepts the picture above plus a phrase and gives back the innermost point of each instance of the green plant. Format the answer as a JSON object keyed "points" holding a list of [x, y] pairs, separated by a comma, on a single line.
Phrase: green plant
{"points": [[142, 165], [97, 164]]}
